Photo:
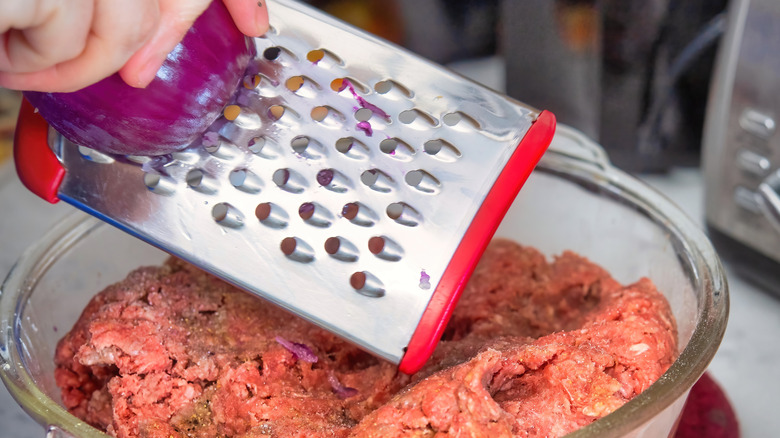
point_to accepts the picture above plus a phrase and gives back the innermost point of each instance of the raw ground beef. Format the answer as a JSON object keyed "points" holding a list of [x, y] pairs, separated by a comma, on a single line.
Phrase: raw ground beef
{"points": [[534, 349]]}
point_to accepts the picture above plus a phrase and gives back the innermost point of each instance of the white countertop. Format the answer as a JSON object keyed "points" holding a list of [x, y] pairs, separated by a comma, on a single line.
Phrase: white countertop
{"points": [[745, 365]]}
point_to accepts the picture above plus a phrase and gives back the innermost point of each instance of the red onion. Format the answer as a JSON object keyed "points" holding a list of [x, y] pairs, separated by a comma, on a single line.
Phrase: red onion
{"points": [[189, 92], [299, 351], [342, 391]]}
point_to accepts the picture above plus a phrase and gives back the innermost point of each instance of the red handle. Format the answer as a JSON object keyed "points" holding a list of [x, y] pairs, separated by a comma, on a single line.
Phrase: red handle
{"points": [[37, 166], [476, 239]]}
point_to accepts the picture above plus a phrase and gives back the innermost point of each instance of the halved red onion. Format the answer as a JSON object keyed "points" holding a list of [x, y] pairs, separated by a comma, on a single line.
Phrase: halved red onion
{"points": [[299, 351], [192, 87]]}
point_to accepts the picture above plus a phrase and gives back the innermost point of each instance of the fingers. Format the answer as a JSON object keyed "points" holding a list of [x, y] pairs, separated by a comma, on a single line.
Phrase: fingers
{"points": [[250, 16], [117, 30], [51, 33], [51, 45], [176, 17]]}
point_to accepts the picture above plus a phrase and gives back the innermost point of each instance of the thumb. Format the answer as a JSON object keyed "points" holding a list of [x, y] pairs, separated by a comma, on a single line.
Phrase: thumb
{"points": [[250, 16], [176, 18]]}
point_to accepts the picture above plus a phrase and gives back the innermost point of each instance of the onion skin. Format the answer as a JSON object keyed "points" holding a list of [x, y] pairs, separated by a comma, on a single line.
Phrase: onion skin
{"points": [[192, 87]]}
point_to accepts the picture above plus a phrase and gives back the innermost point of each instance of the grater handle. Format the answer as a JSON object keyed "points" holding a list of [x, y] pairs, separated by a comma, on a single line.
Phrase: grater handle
{"points": [[504, 190], [38, 167]]}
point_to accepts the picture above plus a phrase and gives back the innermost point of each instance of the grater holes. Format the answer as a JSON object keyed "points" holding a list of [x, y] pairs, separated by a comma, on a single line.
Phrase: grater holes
{"points": [[94, 156], [161, 185], [359, 214], [460, 119], [200, 181], [272, 53], [368, 110], [245, 180], [441, 150], [218, 147], [403, 214], [323, 57], [289, 180], [271, 215], [210, 139], [307, 147], [278, 54], [417, 119], [367, 284], [302, 86], [261, 84], [341, 249], [227, 215], [276, 112], [263, 147], [377, 180], [315, 214], [348, 83], [231, 112], [328, 116], [296, 249], [396, 148], [333, 180], [251, 82], [281, 113], [385, 248], [392, 88], [244, 118], [422, 181], [352, 148], [363, 114]]}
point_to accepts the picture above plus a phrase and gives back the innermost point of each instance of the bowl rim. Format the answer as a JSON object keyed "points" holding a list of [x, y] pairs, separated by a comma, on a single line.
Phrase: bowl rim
{"points": [[709, 275], [573, 156]]}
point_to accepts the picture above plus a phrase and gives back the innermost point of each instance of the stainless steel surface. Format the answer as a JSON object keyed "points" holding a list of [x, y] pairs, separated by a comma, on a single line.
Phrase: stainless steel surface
{"points": [[741, 152], [415, 148]]}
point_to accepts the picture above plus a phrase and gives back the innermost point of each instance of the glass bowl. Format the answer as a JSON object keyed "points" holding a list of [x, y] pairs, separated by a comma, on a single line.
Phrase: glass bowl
{"points": [[574, 200]]}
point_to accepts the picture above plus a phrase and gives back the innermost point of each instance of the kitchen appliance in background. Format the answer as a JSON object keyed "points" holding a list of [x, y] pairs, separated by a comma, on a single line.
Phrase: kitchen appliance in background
{"points": [[741, 149]]}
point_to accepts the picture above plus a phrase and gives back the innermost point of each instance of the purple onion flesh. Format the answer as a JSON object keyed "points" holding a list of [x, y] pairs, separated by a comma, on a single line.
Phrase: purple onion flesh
{"points": [[299, 351], [344, 392], [191, 89]]}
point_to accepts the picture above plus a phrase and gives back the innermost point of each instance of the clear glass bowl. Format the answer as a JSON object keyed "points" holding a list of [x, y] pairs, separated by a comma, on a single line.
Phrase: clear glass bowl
{"points": [[574, 200]]}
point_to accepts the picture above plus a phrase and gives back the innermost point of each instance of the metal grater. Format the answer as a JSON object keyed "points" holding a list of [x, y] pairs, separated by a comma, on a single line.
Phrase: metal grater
{"points": [[349, 181]]}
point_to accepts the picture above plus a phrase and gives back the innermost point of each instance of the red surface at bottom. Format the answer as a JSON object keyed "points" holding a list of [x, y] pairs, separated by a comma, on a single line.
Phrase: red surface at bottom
{"points": [[707, 413], [475, 240]]}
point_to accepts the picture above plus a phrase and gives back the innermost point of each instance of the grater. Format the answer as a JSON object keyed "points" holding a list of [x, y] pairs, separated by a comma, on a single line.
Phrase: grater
{"points": [[348, 181]]}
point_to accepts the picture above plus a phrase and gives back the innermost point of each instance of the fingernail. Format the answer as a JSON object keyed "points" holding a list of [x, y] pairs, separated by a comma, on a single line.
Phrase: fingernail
{"points": [[261, 18], [147, 73]]}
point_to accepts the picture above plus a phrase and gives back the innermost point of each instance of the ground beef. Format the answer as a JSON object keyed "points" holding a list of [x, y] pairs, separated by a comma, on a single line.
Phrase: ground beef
{"points": [[534, 348]]}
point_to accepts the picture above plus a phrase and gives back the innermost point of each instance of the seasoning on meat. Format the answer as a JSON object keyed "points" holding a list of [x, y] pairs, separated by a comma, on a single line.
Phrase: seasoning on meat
{"points": [[534, 348]]}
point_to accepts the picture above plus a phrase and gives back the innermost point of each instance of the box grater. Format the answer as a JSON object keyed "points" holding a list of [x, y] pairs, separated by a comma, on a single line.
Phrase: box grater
{"points": [[348, 181]]}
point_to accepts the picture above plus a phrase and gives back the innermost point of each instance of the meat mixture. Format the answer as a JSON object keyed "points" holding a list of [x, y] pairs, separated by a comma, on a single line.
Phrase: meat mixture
{"points": [[534, 349]]}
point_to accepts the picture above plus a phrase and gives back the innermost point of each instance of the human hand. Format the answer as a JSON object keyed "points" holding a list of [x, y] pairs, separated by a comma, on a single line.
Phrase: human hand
{"points": [[58, 46]]}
